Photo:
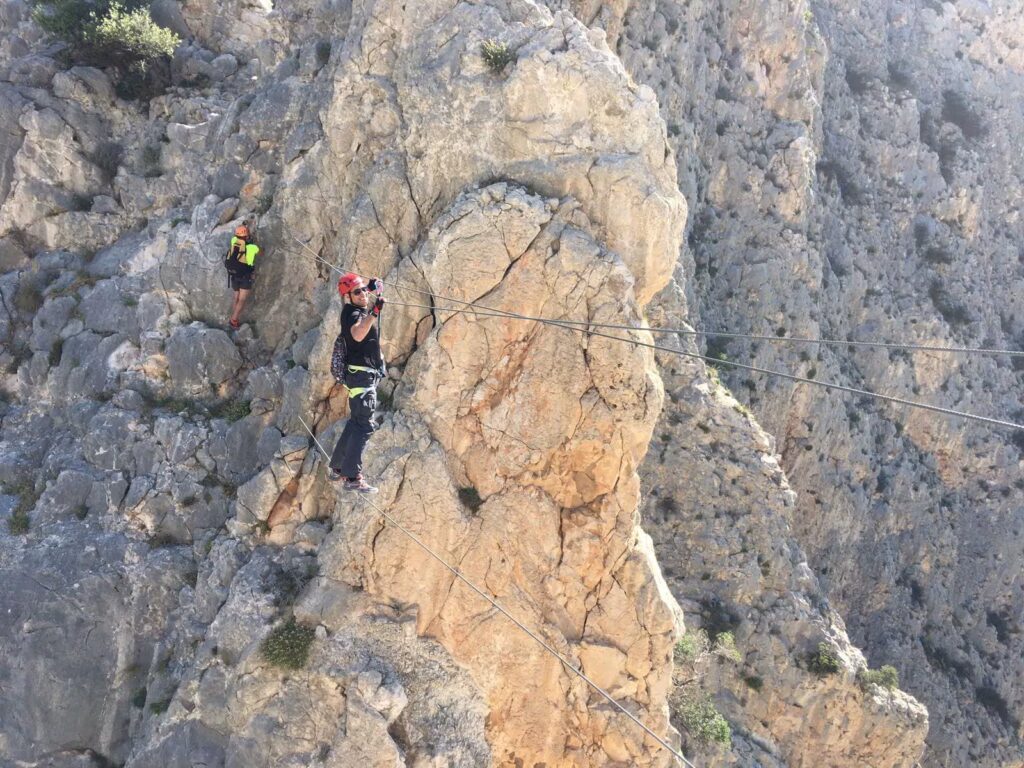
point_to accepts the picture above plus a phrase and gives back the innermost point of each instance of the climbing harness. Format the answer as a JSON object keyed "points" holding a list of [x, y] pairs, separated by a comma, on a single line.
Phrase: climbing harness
{"points": [[497, 606]]}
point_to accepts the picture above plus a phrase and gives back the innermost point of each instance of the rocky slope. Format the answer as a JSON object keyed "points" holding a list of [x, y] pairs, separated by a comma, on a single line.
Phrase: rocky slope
{"points": [[178, 510], [173, 455], [851, 174]]}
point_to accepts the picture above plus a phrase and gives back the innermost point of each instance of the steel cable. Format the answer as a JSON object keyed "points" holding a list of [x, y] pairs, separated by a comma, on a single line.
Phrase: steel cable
{"points": [[584, 328], [497, 606]]}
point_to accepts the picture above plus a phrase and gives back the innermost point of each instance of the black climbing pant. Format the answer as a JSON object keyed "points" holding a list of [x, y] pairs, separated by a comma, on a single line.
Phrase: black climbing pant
{"points": [[347, 458]]}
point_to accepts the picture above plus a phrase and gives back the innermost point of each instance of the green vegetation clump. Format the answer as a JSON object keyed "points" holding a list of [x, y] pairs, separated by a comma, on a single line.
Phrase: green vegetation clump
{"points": [[107, 158], [700, 719], [139, 699], [19, 522], [754, 682], [497, 55], [159, 707], [231, 410], [887, 677], [120, 36], [82, 280], [824, 661], [28, 298], [151, 164], [691, 646], [287, 646], [129, 37], [725, 647]]}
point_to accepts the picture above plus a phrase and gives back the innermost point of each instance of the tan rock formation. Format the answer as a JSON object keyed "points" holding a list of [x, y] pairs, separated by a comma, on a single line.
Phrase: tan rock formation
{"points": [[168, 455], [549, 429]]}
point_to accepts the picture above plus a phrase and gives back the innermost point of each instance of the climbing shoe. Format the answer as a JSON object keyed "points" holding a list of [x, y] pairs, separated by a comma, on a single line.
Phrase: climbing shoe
{"points": [[359, 485], [334, 475]]}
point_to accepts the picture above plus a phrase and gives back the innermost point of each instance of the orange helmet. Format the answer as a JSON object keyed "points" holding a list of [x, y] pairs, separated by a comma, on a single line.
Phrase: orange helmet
{"points": [[349, 282], [242, 231]]}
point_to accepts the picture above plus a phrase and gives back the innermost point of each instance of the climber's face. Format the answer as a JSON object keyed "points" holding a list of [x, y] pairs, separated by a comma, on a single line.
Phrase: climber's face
{"points": [[360, 297]]}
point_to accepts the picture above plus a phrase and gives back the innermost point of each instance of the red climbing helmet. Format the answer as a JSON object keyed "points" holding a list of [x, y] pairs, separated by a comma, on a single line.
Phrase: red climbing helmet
{"points": [[349, 282]]}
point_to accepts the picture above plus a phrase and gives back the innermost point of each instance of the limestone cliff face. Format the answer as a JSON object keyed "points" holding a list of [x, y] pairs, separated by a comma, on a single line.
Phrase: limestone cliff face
{"points": [[844, 177], [389, 147], [851, 174]]}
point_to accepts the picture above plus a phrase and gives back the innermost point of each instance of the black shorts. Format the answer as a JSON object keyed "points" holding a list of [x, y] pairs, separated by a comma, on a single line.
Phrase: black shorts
{"points": [[240, 282]]}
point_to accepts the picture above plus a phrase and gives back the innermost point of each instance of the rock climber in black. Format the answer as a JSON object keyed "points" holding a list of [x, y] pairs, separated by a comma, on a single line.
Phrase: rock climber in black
{"points": [[362, 370]]}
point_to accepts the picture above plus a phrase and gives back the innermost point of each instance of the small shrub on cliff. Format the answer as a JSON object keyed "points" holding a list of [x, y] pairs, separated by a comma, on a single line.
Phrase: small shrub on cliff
{"points": [[150, 163], [725, 647], [824, 661], [496, 54], [159, 707], [691, 646], [700, 719], [130, 37], [107, 158], [120, 36], [887, 677], [231, 410], [288, 645], [28, 298], [19, 522]]}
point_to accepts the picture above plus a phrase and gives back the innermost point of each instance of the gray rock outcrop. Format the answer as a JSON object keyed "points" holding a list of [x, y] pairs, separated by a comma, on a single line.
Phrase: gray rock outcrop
{"points": [[785, 169]]}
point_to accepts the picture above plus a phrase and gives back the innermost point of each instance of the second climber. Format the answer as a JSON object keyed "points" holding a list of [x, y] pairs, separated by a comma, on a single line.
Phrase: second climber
{"points": [[240, 262], [362, 368]]}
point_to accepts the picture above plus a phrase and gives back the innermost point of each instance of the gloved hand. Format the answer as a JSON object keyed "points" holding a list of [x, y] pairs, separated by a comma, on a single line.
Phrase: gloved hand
{"points": [[374, 285], [378, 306]]}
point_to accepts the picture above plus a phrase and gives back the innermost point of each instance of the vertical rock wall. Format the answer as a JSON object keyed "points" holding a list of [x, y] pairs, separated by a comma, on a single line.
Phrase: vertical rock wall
{"points": [[851, 174]]}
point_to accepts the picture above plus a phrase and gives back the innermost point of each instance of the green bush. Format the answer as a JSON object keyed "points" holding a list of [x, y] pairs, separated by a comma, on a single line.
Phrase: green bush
{"points": [[121, 36], [107, 158], [700, 719], [824, 661], [19, 522], [231, 410], [66, 19], [159, 707], [753, 682], [287, 646], [887, 677], [129, 37], [150, 162], [497, 55], [691, 646], [139, 699], [725, 647], [28, 298]]}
